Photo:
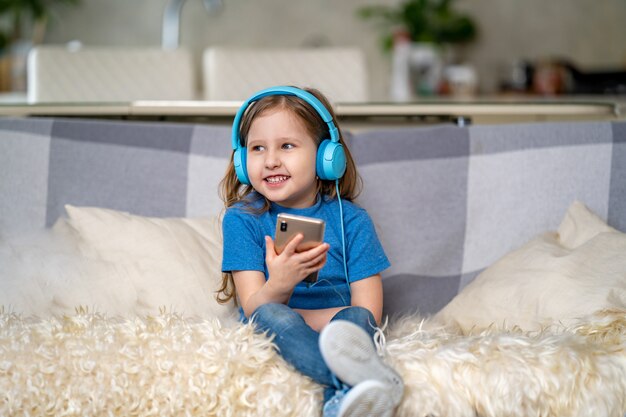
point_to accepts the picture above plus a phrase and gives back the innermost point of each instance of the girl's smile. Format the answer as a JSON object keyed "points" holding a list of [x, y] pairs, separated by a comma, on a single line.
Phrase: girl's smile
{"points": [[281, 159], [277, 179]]}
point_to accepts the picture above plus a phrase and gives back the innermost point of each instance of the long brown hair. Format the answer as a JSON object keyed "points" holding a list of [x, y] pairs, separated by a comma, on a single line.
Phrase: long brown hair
{"points": [[233, 191]]}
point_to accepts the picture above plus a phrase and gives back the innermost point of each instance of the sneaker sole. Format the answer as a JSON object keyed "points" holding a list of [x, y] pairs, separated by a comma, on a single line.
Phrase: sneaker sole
{"points": [[350, 354], [369, 398]]}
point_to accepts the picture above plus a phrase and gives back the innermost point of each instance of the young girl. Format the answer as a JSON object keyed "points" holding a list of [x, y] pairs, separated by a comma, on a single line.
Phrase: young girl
{"points": [[289, 157]]}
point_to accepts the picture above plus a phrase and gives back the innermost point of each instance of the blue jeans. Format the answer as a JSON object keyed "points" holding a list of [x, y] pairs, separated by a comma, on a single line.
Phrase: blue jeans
{"points": [[298, 343]]}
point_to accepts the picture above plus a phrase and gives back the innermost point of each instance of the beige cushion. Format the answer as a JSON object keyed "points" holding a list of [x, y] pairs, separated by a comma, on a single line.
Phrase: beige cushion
{"points": [[559, 276], [43, 273], [173, 263]]}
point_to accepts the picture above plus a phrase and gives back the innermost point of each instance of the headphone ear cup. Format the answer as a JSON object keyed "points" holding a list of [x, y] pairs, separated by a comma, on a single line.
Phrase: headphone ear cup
{"points": [[331, 160], [240, 162]]}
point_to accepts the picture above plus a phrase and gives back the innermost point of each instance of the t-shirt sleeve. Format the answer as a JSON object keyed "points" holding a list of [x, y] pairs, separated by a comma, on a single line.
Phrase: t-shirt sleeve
{"points": [[244, 243], [366, 256]]}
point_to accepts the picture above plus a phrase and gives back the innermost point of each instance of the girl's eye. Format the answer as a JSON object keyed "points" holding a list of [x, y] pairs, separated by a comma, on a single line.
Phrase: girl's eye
{"points": [[288, 146], [257, 148]]}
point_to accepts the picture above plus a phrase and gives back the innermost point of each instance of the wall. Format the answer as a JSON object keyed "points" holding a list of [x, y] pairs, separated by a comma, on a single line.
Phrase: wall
{"points": [[589, 31]]}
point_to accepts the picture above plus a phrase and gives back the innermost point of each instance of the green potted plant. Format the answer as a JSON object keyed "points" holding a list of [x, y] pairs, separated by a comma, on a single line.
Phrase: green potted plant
{"points": [[22, 24], [423, 35], [425, 21], [17, 15]]}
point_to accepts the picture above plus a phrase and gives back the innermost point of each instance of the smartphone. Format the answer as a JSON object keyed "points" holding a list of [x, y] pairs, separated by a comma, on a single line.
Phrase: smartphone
{"points": [[289, 225]]}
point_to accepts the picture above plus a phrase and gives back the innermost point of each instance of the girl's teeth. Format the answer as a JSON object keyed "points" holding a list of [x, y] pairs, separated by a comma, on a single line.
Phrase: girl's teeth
{"points": [[276, 179]]}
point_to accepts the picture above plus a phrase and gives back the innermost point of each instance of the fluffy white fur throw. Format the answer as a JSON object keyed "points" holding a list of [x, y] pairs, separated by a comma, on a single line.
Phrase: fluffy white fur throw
{"points": [[575, 371], [88, 364]]}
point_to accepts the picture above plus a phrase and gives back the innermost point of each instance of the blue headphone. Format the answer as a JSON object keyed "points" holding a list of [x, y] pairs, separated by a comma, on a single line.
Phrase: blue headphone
{"points": [[331, 158]]}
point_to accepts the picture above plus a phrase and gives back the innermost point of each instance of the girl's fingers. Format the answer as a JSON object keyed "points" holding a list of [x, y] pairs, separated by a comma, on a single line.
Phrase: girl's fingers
{"points": [[270, 250], [311, 258], [312, 253], [290, 248], [316, 260], [317, 266]]}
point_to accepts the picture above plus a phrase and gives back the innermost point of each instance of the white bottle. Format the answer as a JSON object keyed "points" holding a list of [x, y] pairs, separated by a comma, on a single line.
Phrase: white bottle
{"points": [[401, 90]]}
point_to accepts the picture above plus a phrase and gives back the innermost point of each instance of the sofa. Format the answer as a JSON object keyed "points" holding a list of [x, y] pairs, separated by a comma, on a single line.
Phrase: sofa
{"points": [[506, 295]]}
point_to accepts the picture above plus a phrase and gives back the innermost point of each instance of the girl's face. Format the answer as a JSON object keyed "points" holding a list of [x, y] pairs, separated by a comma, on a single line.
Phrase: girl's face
{"points": [[281, 159]]}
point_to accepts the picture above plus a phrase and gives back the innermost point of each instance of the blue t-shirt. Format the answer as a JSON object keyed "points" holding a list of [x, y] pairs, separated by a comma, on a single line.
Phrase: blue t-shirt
{"points": [[244, 248]]}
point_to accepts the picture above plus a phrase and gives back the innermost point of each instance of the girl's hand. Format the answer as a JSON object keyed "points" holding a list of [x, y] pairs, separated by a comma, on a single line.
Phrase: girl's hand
{"points": [[290, 267]]}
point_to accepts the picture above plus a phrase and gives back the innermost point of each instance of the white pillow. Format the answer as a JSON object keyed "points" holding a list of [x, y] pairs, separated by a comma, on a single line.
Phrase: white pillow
{"points": [[43, 273], [556, 277], [173, 263]]}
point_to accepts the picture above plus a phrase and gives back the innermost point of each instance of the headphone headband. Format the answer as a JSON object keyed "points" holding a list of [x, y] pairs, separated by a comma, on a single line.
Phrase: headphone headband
{"points": [[330, 163], [284, 91]]}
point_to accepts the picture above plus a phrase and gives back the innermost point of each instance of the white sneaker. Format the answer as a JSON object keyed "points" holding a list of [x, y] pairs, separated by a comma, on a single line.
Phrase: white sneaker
{"points": [[369, 398], [349, 352]]}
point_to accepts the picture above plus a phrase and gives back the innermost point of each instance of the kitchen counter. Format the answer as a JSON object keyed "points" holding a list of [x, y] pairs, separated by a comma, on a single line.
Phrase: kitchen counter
{"points": [[477, 111]]}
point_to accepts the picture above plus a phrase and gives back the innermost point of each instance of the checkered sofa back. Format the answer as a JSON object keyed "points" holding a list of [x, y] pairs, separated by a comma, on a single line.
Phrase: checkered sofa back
{"points": [[447, 201]]}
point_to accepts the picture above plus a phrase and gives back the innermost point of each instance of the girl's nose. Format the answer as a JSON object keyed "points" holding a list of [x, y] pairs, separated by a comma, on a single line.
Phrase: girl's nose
{"points": [[272, 160]]}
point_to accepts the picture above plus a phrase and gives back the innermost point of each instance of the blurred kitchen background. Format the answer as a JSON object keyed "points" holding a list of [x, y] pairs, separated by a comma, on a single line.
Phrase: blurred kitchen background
{"points": [[473, 48]]}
